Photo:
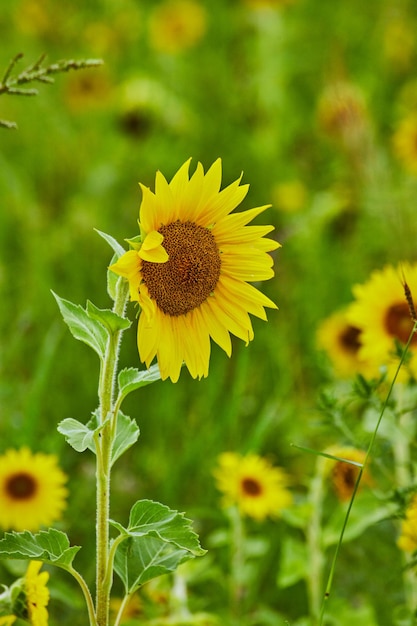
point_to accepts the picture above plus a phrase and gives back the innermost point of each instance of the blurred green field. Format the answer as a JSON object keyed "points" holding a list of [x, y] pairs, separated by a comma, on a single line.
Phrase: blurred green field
{"points": [[304, 98]]}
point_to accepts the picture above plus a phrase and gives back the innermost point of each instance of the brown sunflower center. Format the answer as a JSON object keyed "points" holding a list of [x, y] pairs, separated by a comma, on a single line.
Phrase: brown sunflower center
{"points": [[191, 273], [344, 477], [398, 322], [349, 339], [251, 487], [21, 486]]}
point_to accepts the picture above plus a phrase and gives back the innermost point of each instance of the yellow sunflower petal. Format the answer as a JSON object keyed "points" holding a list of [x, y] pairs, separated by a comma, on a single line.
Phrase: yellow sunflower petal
{"points": [[127, 265], [170, 351], [246, 296], [152, 249], [223, 203], [224, 234], [258, 266], [230, 223], [148, 338], [150, 216], [237, 322], [217, 331]]}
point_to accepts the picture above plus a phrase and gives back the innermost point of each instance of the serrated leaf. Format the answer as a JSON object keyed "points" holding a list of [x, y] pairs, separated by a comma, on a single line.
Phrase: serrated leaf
{"points": [[158, 540], [51, 546], [130, 379], [148, 518], [107, 318], [82, 436], [79, 436], [82, 327], [118, 249], [138, 560], [127, 434]]}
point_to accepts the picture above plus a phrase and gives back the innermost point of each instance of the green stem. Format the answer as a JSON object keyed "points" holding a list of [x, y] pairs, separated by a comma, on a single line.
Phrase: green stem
{"points": [[87, 596], [314, 546], [103, 470], [237, 562], [122, 607], [403, 479]]}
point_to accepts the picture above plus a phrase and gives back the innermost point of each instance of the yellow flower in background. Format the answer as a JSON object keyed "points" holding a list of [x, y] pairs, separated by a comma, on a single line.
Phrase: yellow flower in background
{"points": [[251, 483], [407, 540], [399, 42], [290, 196], [342, 113], [37, 594], [343, 475], [32, 492], [262, 4], [177, 25], [342, 343], [405, 143], [191, 270], [132, 610], [381, 312], [36, 17], [87, 90], [7, 620]]}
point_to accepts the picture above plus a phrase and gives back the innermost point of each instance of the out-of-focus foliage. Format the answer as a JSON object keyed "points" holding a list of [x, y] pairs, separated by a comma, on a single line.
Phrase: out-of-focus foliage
{"points": [[316, 103]]}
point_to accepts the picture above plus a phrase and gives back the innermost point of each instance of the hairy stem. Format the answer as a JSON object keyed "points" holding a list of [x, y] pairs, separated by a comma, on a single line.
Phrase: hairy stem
{"points": [[103, 471], [315, 548]]}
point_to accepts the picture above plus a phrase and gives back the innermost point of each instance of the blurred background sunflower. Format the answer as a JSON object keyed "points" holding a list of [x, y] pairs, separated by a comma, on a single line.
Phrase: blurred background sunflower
{"points": [[32, 491]]}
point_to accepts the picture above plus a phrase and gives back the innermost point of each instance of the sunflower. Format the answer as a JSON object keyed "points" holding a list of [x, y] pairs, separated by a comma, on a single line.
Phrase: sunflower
{"points": [[407, 541], [382, 313], [342, 474], [257, 488], [37, 594], [32, 491], [342, 342], [189, 271]]}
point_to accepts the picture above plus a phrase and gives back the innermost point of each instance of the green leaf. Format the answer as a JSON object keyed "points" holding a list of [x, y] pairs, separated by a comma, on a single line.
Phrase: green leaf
{"points": [[112, 278], [51, 546], [130, 379], [118, 249], [152, 518], [140, 560], [157, 540], [79, 436], [127, 434], [82, 436], [107, 318], [82, 326]]}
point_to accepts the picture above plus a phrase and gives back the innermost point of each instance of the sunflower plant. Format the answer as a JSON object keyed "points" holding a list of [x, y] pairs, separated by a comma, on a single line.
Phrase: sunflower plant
{"points": [[189, 270]]}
